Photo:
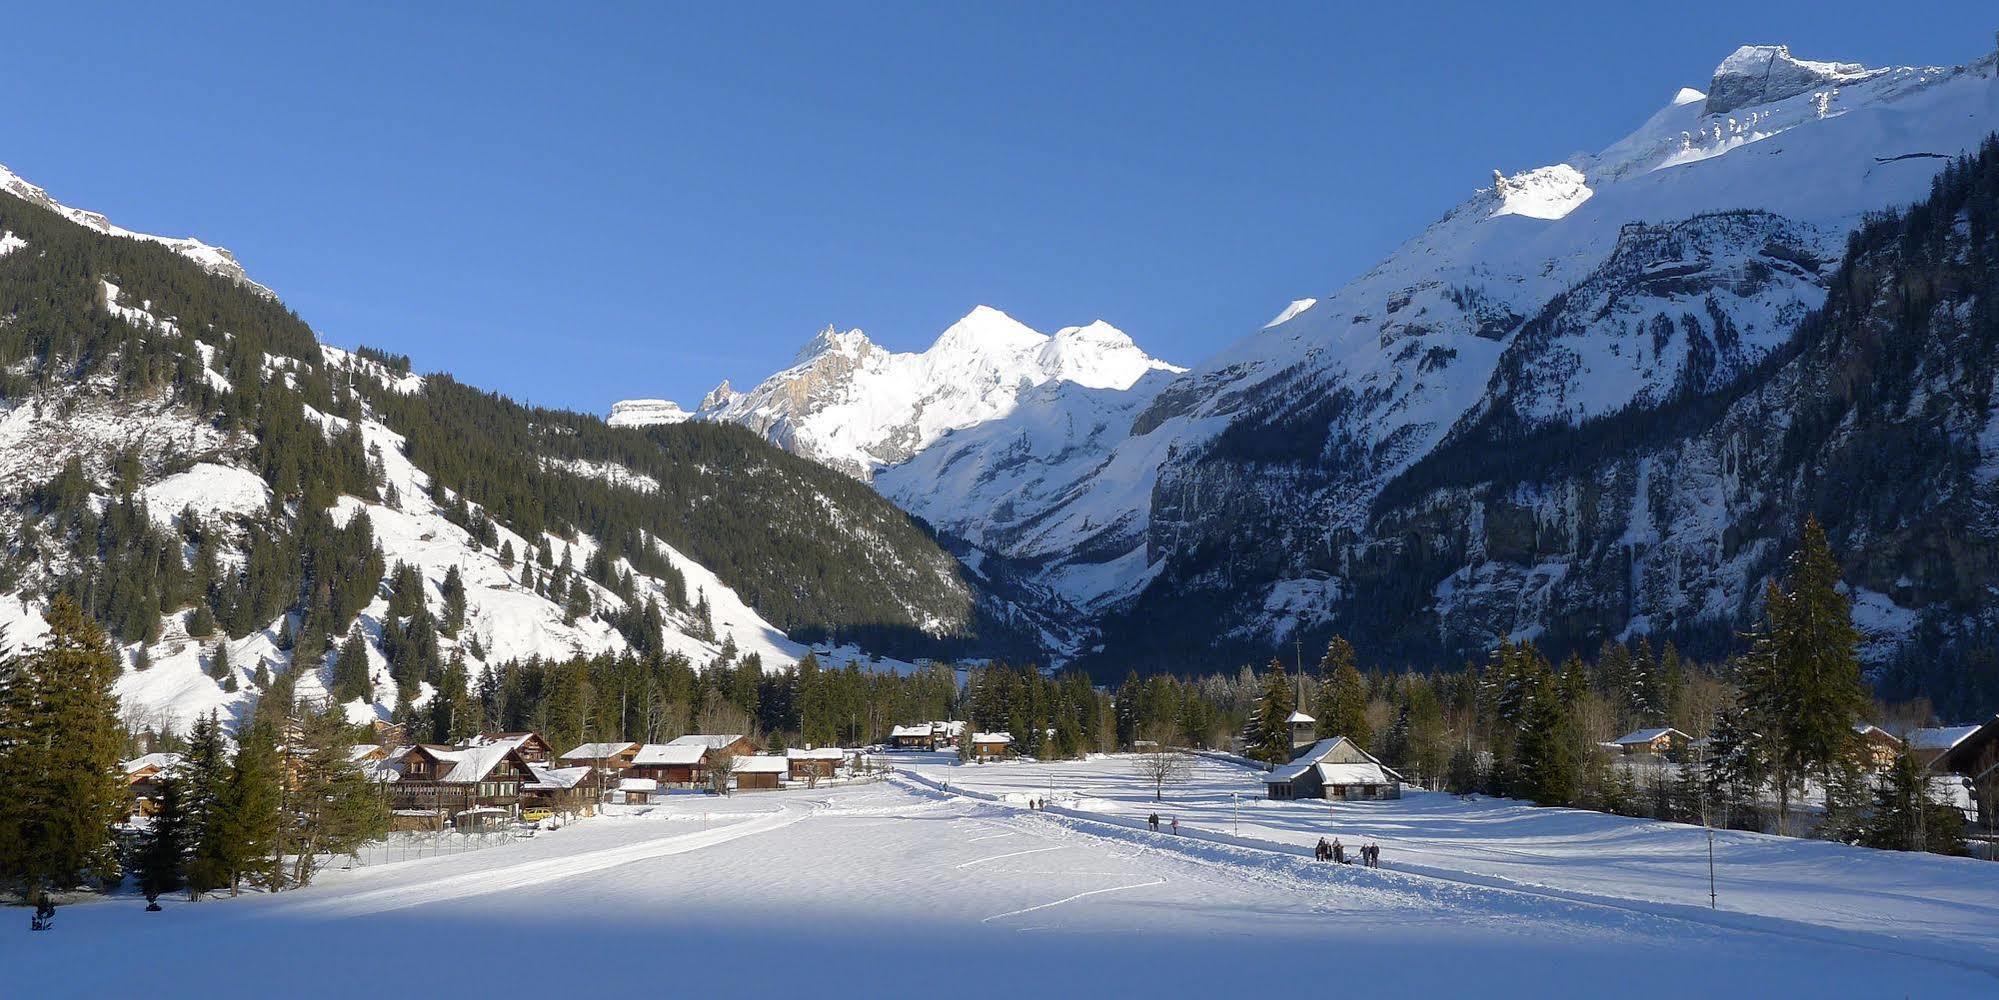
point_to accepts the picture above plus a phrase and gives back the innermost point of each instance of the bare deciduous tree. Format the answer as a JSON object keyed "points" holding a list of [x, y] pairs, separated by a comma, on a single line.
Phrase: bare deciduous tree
{"points": [[1158, 764], [721, 767]]}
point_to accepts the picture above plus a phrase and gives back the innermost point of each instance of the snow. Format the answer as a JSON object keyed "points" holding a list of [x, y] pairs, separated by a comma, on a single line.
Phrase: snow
{"points": [[1939, 737], [734, 897], [761, 764], [211, 258], [596, 751], [646, 413], [1291, 312], [10, 242], [1645, 735], [853, 405], [675, 753], [705, 741], [212, 490], [1548, 193], [1942, 910]]}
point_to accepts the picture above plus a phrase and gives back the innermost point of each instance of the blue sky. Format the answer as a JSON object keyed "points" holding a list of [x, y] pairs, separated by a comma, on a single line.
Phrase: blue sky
{"points": [[580, 207]]}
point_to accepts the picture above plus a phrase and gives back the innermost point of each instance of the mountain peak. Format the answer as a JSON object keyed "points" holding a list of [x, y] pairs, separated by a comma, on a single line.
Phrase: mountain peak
{"points": [[213, 259], [987, 330], [852, 343], [646, 413], [1759, 74]]}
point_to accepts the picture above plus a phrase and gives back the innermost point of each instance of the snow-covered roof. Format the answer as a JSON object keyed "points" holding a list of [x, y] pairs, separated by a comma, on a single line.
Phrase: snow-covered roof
{"points": [[1299, 717], [1646, 735], [597, 751], [757, 763], [637, 785], [361, 751], [992, 737], [706, 742], [1369, 772], [161, 760], [921, 730], [1870, 729], [823, 753], [1939, 737], [1366, 773], [676, 753], [555, 779], [472, 762]]}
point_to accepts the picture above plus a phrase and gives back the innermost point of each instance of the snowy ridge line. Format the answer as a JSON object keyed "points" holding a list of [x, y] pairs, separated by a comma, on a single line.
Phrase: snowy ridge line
{"points": [[478, 883], [1133, 831]]}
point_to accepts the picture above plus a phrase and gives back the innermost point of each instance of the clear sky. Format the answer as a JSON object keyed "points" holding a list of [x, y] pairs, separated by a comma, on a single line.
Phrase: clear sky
{"points": [[578, 207]]}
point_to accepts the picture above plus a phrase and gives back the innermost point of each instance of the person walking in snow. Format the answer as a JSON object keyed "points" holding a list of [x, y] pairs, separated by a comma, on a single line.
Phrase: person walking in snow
{"points": [[1152, 822], [1323, 852], [1176, 826], [1339, 851]]}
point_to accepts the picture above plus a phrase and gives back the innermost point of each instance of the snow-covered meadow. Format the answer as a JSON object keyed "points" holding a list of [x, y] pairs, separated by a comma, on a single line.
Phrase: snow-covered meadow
{"points": [[874, 889]]}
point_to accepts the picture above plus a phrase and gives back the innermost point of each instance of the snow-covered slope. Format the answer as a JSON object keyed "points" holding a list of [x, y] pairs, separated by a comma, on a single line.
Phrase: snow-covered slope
{"points": [[211, 258], [853, 405], [646, 413]]}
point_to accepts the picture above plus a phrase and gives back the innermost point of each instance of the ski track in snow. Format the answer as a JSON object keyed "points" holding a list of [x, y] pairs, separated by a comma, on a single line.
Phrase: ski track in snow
{"points": [[1072, 898]]}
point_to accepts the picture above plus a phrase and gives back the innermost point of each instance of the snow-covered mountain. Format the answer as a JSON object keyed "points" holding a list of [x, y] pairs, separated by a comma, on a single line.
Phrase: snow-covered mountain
{"points": [[160, 438], [1666, 265], [858, 407], [646, 413], [213, 259]]}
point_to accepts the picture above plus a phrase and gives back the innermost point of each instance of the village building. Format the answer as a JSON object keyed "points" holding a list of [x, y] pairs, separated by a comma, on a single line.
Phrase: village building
{"points": [[1335, 768], [1975, 756], [636, 791], [733, 744], [991, 746], [604, 756], [143, 778], [1932, 742], [668, 765], [922, 736], [570, 791], [807, 765], [1879, 747], [530, 746], [760, 772], [365, 754], [444, 781], [1659, 740]]}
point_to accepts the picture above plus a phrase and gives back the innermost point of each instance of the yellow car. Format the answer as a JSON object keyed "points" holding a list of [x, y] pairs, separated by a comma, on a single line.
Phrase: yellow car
{"points": [[536, 815]]}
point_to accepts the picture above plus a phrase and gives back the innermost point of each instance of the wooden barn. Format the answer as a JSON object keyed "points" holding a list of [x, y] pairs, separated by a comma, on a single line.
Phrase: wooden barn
{"points": [[918, 737], [610, 757], [571, 791], [1334, 769], [822, 763], [670, 765], [992, 746], [1976, 757], [758, 772], [1879, 747]]}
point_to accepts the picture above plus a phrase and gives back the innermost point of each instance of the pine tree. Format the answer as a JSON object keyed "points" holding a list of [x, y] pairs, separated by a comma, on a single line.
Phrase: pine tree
{"points": [[204, 776], [350, 670], [1908, 817], [1271, 739], [248, 820], [162, 858], [1342, 707], [330, 807], [60, 743], [1801, 681]]}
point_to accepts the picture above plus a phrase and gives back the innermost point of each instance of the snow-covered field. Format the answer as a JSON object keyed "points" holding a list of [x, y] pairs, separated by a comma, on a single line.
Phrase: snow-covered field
{"points": [[1916, 904], [878, 889]]}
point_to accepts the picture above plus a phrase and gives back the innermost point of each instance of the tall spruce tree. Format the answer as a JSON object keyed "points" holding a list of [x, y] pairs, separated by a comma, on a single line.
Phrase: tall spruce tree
{"points": [[1342, 707], [1271, 740], [249, 819], [60, 743]]}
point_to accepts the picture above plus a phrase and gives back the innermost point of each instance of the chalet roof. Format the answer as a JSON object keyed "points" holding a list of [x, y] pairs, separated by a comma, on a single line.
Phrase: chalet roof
{"points": [[1939, 737], [757, 763], [1872, 731], [706, 741], [1962, 754], [1315, 755], [1299, 717], [472, 762], [823, 753], [1646, 735], [665, 754], [922, 730], [637, 785], [597, 751], [992, 737], [389, 768], [162, 761], [362, 751], [555, 779]]}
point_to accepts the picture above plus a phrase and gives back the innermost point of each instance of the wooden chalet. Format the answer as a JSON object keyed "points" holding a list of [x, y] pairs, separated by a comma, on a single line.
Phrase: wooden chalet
{"points": [[917, 737], [486, 772], [1334, 768], [571, 791], [531, 747], [809, 765], [1976, 757], [1931, 743], [143, 778], [1658, 740], [667, 765], [1878, 747], [760, 772], [992, 746], [608, 757], [636, 791]]}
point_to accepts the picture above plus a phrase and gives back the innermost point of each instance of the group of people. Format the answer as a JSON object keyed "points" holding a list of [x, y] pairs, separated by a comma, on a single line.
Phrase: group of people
{"points": [[1037, 804], [1370, 852], [1152, 822]]}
